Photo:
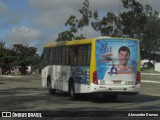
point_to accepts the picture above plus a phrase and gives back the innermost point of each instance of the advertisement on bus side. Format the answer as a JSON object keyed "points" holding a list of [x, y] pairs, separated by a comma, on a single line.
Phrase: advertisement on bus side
{"points": [[117, 59]]}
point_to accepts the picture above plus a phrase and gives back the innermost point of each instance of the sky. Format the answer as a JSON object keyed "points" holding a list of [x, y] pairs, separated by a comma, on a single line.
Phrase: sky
{"points": [[37, 22]]}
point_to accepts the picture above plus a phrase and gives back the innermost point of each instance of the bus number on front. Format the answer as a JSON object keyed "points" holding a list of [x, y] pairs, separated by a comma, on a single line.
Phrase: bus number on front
{"points": [[129, 82]]}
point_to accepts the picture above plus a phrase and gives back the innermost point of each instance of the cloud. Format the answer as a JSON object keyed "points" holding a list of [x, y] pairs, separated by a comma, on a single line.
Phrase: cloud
{"points": [[154, 5], [55, 4], [88, 32], [105, 5], [7, 16], [3, 10], [74, 4], [22, 35], [54, 13], [53, 19]]}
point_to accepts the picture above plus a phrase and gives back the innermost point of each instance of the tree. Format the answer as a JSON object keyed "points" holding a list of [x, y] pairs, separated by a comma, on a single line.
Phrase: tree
{"points": [[108, 26], [65, 36], [18, 55], [77, 25], [133, 19], [7, 58], [151, 33], [129, 23], [2, 50], [25, 56]]}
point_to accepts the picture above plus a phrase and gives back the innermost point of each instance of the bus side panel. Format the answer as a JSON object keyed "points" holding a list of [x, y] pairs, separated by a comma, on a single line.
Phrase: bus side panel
{"points": [[81, 77], [82, 88], [60, 77], [45, 73], [65, 75]]}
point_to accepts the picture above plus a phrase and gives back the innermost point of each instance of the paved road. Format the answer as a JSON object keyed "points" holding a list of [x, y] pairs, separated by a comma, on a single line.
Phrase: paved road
{"points": [[26, 94]]}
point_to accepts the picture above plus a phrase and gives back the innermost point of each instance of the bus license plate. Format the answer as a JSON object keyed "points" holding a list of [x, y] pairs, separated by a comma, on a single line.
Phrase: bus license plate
{"points": [[129, 83], [116, 82]]}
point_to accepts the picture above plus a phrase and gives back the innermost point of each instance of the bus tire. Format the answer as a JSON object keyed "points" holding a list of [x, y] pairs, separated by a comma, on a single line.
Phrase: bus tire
{"points": [[72, 93], [49, 85]]}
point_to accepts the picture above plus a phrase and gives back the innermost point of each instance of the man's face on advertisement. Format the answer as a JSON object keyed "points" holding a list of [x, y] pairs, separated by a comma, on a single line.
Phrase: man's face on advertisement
{"points": [[123, 57]]}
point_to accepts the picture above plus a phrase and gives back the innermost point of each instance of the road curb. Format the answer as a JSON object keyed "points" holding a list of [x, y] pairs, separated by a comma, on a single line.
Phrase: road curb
{"points": [[150, 81], [10, 76]]}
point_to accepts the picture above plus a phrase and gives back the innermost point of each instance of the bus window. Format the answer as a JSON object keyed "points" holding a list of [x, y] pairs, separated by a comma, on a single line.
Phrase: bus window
{"points": [[67, 55], [43, 57], [51, 58], [59, 55], [74, 55], [71, 55], [89, 55], [56, 56], [85, 53], [46, 56], [64, 56], [80, 55]]}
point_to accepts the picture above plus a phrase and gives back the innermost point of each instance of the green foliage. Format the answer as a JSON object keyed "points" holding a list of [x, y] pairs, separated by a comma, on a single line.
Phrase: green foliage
{"points": [[86, 15], [18, 55], [106, 25], [134, 19], [65, 36], [151, 33], [77, 25], [144, 69]]}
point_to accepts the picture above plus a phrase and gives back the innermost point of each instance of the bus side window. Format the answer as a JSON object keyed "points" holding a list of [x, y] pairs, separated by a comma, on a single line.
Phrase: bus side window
{"points": [[89, 55], [56, 56], [80, 55], [46, 57], [85, 51], [74, 55], [59, 55], [67, 56], [71, 52], [63, 55], [43, 57], [51, 60], [75, 58]]}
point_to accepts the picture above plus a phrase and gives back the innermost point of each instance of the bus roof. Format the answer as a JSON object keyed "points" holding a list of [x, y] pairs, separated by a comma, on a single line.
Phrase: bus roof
{"points": [[84, 41], [73, 42], [107, 37]]}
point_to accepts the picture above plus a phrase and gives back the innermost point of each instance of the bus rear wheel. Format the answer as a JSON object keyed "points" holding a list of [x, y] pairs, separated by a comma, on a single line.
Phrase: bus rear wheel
{"points": [[50, 90]]}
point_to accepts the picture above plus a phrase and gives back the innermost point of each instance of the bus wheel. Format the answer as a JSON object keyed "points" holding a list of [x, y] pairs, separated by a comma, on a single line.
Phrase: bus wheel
{"points": [[50, 90], [72, 91]]}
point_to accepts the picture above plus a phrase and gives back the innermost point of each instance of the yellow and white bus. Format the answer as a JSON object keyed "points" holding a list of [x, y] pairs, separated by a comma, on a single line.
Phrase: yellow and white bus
{"points": [[104, 65]]}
